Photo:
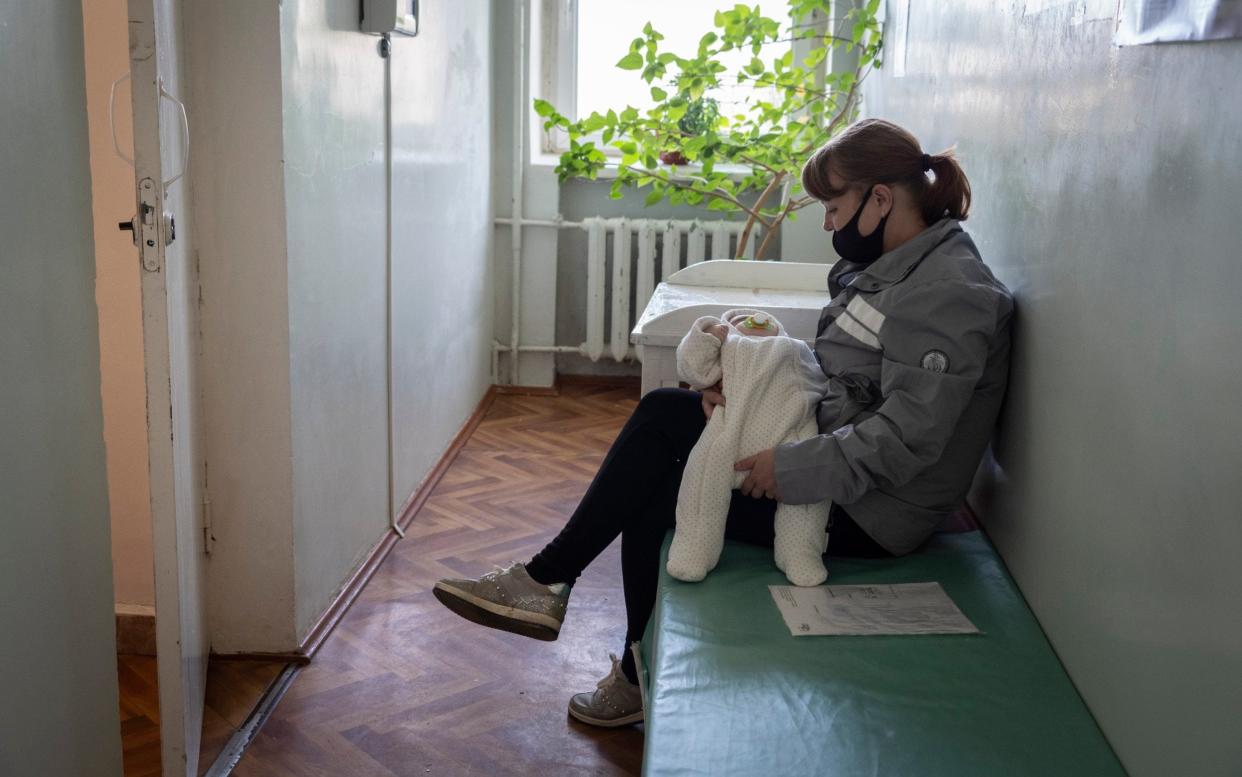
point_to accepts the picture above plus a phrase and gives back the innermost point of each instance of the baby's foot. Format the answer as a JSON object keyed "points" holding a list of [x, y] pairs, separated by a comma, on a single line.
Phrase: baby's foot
{"points": [[806, 570], [686, 571], [691, 555]]}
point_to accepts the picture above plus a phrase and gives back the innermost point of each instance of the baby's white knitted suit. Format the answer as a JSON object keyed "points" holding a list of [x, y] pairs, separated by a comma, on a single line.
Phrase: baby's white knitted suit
{"points": [[773, 386]]}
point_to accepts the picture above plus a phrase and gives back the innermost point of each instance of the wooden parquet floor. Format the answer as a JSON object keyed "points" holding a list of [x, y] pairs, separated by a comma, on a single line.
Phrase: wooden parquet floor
{"points": [[405, 687], [233, 690]]}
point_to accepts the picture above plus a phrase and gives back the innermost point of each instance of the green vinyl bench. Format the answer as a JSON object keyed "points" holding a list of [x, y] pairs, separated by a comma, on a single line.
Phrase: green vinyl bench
{"points": [[728, 690]]}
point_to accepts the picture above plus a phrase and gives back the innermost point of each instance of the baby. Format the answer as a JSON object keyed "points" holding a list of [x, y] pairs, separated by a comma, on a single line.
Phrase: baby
{"points": [[774, 384]]}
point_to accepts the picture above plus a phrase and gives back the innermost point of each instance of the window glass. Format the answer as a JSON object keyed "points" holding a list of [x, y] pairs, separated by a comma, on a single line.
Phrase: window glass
{"points": [[606, 27]]}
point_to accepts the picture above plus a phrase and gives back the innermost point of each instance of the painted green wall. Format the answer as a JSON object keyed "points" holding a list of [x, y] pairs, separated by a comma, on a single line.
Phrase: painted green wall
{"points": [[1107, 197], [58, 708]]}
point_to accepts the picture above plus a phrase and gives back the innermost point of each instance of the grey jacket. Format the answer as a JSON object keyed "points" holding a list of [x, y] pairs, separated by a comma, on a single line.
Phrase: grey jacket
{"points": [[916, 350]]}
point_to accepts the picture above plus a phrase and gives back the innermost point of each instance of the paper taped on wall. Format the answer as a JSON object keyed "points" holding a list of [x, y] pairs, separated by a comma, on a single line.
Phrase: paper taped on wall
{"points": [[1168, 21]]}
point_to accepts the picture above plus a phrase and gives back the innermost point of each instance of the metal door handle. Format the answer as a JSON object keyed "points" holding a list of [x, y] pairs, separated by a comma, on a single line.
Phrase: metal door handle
{"points": [[185, 135], [112, 118], [185, 127]]}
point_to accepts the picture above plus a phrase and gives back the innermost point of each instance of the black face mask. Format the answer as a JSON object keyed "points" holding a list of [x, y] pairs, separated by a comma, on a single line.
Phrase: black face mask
{"points": [[854, 247]]}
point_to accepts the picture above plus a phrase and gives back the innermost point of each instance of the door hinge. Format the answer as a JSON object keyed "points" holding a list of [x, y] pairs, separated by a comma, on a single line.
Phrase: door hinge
{"points": [[209, 538]]}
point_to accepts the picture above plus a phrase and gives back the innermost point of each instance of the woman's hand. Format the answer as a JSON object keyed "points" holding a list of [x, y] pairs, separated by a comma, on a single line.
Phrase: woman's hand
{"points": [[761, 481], [712, 396]]}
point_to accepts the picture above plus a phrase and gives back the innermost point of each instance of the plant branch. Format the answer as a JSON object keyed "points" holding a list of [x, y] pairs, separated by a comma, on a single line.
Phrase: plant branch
{"points": [[823, 94], [750, 223], [851, 97], [718, 193], [815, 37], [768, 237], [751, 161]]}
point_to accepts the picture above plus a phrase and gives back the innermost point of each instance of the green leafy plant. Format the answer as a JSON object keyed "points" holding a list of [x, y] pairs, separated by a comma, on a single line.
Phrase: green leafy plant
{"points": [[717, 156], [701, 116]]}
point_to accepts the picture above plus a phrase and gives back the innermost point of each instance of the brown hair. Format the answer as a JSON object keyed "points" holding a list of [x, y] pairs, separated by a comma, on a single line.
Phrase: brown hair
{"points": [[875, 151]]}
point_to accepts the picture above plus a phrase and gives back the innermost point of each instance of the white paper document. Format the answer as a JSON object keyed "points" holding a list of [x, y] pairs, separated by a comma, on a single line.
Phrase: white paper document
{"points": [[1170, 21], [841, 610]]}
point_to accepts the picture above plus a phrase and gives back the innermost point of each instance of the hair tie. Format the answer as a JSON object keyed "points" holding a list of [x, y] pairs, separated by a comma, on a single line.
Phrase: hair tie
{"points": [[926, 162]]}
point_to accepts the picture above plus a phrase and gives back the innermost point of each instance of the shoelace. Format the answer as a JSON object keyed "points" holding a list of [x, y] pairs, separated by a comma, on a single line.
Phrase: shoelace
{"points": [[614, 674], [498, 570]]}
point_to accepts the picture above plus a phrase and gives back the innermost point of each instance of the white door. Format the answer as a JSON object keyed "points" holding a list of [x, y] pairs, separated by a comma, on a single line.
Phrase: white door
{"points": [[169, 293]]}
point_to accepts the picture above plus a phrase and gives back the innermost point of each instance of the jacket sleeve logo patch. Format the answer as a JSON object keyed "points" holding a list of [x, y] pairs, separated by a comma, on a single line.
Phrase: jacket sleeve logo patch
{"points": [[935, 361]]}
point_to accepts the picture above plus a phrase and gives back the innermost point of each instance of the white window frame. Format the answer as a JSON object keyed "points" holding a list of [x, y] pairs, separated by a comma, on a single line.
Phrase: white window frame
{"points": [[554, 66]]}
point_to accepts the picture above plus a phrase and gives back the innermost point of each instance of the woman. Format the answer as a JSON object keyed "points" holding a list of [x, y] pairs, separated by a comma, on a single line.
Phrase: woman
{"points": [[915, 344]]}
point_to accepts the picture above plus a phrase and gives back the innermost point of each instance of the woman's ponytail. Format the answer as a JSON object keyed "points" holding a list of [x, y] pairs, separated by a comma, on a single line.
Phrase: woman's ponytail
{"points": [[874, 151], [949, 193]]}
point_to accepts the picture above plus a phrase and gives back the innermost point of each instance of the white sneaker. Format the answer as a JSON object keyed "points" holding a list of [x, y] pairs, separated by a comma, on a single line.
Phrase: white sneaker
{"points": [[508, 599], [615, 702]]}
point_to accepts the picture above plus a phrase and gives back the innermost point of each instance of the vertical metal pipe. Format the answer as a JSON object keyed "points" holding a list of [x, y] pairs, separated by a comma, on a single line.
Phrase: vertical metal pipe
{"points": [[696, 250], [596, 232], [670, 254], [519, 166], [621, 248], [386, 49]]}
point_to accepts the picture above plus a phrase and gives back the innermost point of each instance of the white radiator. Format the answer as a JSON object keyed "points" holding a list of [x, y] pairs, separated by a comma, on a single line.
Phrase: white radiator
{"points": [[675, 244]]}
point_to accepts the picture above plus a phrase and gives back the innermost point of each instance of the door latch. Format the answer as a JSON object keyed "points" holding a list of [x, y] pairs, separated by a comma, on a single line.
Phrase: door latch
{"points": [[129, 225], [146, 225], [170, 229], [143, 227]]}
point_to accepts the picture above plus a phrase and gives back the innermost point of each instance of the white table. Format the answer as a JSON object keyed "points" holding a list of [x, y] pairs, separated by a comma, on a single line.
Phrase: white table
{"points": [[794, 292]]}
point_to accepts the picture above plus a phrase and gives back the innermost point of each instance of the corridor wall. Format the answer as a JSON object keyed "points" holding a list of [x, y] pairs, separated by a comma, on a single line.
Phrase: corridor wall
{"points": [[1106, 197], [58, 709], [289, 125], [335, 209]]}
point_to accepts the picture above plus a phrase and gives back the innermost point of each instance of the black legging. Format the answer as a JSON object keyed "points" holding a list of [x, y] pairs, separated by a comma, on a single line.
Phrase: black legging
{"points": [[634, 494]]}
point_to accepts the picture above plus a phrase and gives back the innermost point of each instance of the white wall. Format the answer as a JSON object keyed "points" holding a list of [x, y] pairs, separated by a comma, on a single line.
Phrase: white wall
{"points": [[538, 304], [334, 131], [1106, 196], [442, 230], [289, 175], [118, 296], [58, 709], [333, 96], [234, 71]]}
